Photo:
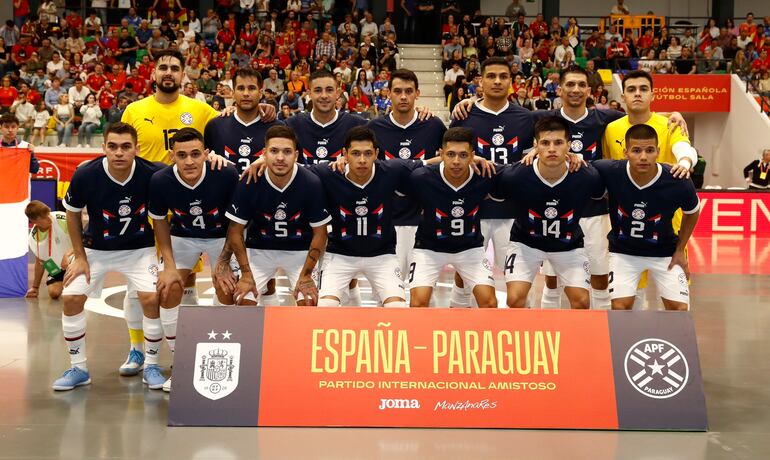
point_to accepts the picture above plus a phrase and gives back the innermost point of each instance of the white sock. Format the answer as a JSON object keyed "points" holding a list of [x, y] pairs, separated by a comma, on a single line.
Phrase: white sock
{"points": [[355, 296], [74, 328], [269, 300], [133, 314], [189, 296], [460, 297], [600, 299], [551, 298], [153, 336], [168, 319], [328, 303], [639, 300], [395, 304]]}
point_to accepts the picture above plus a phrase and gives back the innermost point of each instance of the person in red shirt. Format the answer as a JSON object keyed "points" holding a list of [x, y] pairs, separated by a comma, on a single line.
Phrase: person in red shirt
{"points": [[761, 64], [303, 47], [106, 96], [749, 26], [645, 41], [146, 67], [8, 94], [118, 77], [617, 52], [284, 57], [96, 79], [21, 51], [225, 36], [33, 97], [309, 31], [539, 27], [20, 11], [137, 82], [249, 37], [74, 21]]}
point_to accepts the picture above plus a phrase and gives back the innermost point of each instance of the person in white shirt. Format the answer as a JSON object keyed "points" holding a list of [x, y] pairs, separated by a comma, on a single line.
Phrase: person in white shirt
{"points": [[450, 76], [55, 64], [78, 93], [92, 119], [49, 241], [25, 112]]}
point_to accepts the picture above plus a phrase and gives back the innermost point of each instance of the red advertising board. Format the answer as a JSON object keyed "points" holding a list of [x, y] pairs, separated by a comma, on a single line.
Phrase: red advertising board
{"points": [[691, 93], [746, 213], [60, 164]]}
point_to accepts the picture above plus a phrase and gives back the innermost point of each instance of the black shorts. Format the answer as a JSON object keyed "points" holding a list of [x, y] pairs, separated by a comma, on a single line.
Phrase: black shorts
{"points": [[55, 279]]}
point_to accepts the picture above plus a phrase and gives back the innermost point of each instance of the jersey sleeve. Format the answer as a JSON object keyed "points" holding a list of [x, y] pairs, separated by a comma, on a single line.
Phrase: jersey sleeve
{"points": [[689, 201], [596, 183], [210, 113], [675, 137], [157, 206], [238, 211], [208, 137], [503, 187], [77, 194], [317, 209]]}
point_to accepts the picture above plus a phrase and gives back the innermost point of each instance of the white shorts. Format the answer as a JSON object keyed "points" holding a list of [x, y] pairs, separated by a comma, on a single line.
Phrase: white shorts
{"points": [[625, 271], [187, 251], [595, 230], [382, 272], [404, 246], [523, 263], [499, 232], [265, 263], [472, 265], [139, 266]]}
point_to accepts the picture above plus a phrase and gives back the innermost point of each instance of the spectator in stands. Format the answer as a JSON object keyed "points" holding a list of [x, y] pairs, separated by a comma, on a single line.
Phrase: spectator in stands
{"points": [[363, 83], [763, 84], [597, 53], [522, 99], [25, 113], [8, 95], [369, 27], [757, 173], [708, 35], [515, 9], [674, 50], [539, 27], [382, 102], [542, 102], [64, 115], [621, 8], [706, 63], [618, 53], [648, 62], [428, 17], [355, 97], [450, 77], [688, 41], [92, 116], [77, 94], [520, 27], [594, 79], [51, 97], [296, 84], [760, 64], [211, 25], [612, 31], [750, 27], [40, 125], [744, 39], [685, 64]]}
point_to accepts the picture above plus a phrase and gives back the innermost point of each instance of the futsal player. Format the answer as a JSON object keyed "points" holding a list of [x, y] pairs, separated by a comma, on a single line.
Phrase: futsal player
{"points": [[449, 232], [197, 200], [114, 188], [643, 197], [548, 202], [401, 134], [285, 217], [504, 133]]}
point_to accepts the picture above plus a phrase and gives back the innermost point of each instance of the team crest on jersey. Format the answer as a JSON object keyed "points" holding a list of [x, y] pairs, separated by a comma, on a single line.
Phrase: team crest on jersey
{"points": [[186, 118], [576, 146], [485, 263], [551, 213], [498, 139], [124, 210], [280, 214], [362, 210], [196, 211], [153, 269], [458, 211], [244, 150], [638, 214], [218, 367], [321, 152], [404, 153]]}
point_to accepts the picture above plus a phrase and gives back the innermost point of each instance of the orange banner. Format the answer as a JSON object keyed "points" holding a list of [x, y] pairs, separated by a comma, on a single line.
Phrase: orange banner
{"points": [[14, 175], [691, 93]]}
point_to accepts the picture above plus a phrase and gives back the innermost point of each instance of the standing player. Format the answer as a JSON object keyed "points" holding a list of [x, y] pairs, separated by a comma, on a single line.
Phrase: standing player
{"points": [[51, 245], [403, 135], [197, 200], [549, 201], [114, 188], [240, 138], [286, 217], [449, 233], [643, 197], [504, 132]]}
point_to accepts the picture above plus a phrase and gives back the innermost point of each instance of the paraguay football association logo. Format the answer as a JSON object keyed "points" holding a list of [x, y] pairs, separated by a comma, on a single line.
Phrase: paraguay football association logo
{"points": [[217, 366], [656, 368]]}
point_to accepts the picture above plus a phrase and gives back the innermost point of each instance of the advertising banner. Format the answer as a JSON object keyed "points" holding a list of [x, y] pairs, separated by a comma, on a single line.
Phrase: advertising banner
{"points": [[691, 93], [61, 164], [460, 368], [746, 213]]}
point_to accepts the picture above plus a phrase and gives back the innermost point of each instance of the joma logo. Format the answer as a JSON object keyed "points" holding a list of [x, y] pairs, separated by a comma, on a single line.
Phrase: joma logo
{"points": [[399, 404]]}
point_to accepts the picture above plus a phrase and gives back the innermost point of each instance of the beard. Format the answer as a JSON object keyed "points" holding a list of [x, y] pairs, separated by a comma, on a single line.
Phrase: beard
{"points": [[168, 89]]}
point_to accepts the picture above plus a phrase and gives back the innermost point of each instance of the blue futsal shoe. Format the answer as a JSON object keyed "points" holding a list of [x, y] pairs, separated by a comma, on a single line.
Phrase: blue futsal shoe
{"points": [[153, 377], [133, 364], [72, 378]]}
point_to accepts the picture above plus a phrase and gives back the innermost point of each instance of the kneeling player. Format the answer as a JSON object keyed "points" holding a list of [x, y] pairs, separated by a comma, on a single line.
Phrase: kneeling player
{"points": [[644, 196], [548, 202], [286, 214], [449, 232], [197, 199], [118, 238]]}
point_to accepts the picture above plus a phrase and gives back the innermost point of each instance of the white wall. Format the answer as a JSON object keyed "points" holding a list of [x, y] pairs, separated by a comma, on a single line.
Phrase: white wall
{"points": [[760, 8], [693, 8], [497, 7]]}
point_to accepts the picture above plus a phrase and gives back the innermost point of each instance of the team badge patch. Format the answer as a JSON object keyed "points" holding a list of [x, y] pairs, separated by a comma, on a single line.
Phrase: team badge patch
{"points": [[321, 152], [498, 139], [458, 211], [551, 213], [124, 210], [196, 211], [244, 150], [638, 214], [576, 146], [153, 269], [362, 210], [218, 365], [186, 118], [404, 153], [280, 214], [656, 368]]}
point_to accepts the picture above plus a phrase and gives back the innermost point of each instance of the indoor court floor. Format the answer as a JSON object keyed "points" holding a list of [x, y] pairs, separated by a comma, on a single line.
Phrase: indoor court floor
{"points": [[117, 418]]}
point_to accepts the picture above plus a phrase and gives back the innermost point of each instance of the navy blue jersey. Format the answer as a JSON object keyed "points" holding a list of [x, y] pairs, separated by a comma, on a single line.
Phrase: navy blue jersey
{"points": [[641, 216], [197, 211], [586, 139], [239, 142], [548, 215], [502, 137], [322, 143], [450, 216], [280, 219], [362, 216], [416, 140], [117, 212]]}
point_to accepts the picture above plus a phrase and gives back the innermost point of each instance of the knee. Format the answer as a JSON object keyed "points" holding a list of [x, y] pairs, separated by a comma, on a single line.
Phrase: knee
{"points": [[516, 300], [54, 290], [600, 282], [174, 296]]}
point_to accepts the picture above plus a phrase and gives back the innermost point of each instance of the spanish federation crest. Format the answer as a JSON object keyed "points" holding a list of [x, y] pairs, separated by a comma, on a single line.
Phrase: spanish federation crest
{"points": [[656, 368], [217, 366]]}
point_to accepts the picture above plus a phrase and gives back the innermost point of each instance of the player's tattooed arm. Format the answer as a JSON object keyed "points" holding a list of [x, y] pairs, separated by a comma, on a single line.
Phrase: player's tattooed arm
{"points": [[79, 266], [306, 284], [224, 277]]}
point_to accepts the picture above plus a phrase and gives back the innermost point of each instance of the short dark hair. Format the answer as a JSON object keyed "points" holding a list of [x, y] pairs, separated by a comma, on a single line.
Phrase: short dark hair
{"points": [[121, 128], [185, 135], [641, 132], [281, 132], [551, 124], [637, 74], [406, 75], [360, 133], [319, 74], [168, 53], [495, 60], [457, 134], [573, 69], [247, 73], [8, 119]]}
